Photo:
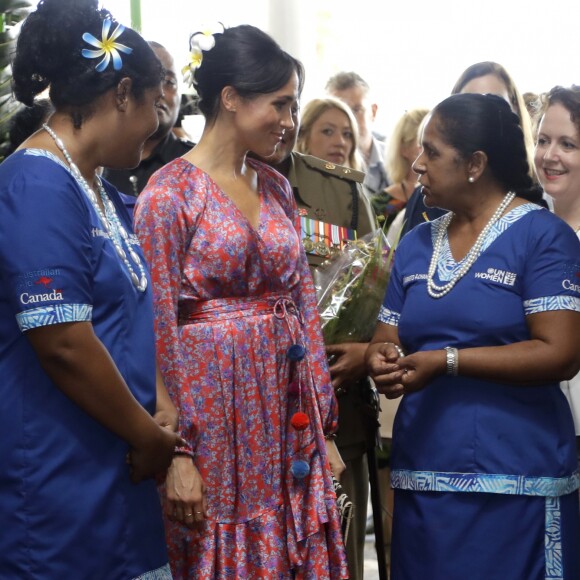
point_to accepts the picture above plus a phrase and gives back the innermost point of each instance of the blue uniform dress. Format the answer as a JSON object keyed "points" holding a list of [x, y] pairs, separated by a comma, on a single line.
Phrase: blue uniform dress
{"points": [[485, 473], [67, 506]]}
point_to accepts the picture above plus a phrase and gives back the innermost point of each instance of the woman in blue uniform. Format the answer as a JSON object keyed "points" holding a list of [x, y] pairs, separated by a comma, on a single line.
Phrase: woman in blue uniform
{"points": [[78, 440], [480, 322]]}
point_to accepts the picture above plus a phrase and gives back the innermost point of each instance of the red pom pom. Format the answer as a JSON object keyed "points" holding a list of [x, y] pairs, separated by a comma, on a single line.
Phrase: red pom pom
{"points": [[300, 421]]}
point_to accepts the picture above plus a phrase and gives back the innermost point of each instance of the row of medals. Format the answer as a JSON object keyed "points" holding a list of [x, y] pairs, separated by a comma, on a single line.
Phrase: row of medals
{"points": [[319, 248]]}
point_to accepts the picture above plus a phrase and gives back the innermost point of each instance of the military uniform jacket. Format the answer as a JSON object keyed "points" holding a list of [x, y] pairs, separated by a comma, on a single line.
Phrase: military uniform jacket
{"points": [[330, 193]]}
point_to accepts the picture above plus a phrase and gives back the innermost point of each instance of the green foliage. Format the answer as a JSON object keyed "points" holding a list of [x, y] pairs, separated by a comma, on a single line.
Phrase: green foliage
{"points": [[350, 289], [11, 13]]}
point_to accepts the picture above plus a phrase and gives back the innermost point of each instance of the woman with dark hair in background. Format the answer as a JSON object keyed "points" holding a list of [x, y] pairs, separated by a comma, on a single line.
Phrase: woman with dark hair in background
{"points": [[480, 322], [238, 334], [490, 77], [486, 77], [78, 443]]}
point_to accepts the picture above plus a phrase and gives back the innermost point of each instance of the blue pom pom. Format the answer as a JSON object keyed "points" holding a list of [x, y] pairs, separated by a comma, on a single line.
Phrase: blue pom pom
{"points": [[300, 469], [296, 352]]}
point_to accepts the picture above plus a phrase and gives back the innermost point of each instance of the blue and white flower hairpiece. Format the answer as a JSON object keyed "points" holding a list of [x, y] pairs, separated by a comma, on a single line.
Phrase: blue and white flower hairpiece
{"points": [[198, 43], [108, 48]]}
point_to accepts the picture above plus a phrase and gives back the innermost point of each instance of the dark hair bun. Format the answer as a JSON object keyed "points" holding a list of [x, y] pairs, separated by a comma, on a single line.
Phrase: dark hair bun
{"points": [[471, 122], [50, 42], [247, 59], [49, 52]]}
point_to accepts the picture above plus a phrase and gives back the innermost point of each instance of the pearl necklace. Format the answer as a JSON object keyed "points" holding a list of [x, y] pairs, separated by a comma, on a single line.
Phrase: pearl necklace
{"points": [[109, 218], [436, 291]]}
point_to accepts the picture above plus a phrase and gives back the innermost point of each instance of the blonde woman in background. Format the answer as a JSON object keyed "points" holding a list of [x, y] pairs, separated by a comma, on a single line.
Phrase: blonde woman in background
{"points": [[402, 150], [328, 130]]}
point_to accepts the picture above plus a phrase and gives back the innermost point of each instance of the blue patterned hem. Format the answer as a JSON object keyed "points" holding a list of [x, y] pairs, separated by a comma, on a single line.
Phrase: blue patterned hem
{"points": [[388, 316], [553, 540], [54, 314], [549, 303], [163, 573], [484, 483]]}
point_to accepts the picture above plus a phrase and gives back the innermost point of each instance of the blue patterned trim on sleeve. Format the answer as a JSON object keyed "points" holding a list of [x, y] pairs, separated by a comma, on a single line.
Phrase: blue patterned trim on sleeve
{"points": [[484, 483], [388, 316], [549, 303], [54, 314], [163, 573]]}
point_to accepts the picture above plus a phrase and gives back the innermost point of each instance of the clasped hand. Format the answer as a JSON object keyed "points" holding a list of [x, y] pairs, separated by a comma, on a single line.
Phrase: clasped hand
{"points": [[395, 376], [154, 455]]}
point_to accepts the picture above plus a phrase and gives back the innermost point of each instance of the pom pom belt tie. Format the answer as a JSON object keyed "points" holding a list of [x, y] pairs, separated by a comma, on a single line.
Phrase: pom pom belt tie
{"points": [[301, 404]]}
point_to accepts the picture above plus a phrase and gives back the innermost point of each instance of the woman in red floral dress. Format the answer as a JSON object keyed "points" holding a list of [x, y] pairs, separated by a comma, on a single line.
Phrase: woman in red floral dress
{"points": [[238, 336]]}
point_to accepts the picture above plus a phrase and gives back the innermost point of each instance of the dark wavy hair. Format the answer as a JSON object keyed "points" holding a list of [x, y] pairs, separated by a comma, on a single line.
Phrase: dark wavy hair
{"points": [[568, 97], [247, 59], [49, 54], [473, 122]]}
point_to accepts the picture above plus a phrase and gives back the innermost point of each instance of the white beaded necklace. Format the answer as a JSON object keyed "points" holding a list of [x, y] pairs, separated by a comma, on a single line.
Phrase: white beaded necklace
{"points": [[109, 218], [436, 291]]}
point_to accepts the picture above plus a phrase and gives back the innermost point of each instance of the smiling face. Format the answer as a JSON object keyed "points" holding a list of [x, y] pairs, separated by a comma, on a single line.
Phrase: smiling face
{"points": [[288, 141], [331, 137], [262, 121], [442, 172], [557, 154], [137, 123]]}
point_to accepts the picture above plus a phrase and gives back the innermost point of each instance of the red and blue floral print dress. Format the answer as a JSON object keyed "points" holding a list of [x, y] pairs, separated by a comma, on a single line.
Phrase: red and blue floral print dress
{"points": [[230, 300]]}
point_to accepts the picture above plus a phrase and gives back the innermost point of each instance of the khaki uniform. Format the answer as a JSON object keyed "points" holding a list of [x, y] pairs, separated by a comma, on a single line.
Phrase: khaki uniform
{"points": [[334, 194]]}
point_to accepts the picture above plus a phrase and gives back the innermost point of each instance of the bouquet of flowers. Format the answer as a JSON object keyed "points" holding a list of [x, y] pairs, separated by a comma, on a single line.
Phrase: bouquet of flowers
{"points": [[350, 288]]}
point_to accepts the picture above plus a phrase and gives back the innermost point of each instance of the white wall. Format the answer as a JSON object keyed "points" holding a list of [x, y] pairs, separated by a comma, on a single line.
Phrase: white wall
{"points": [[410, 51]]}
